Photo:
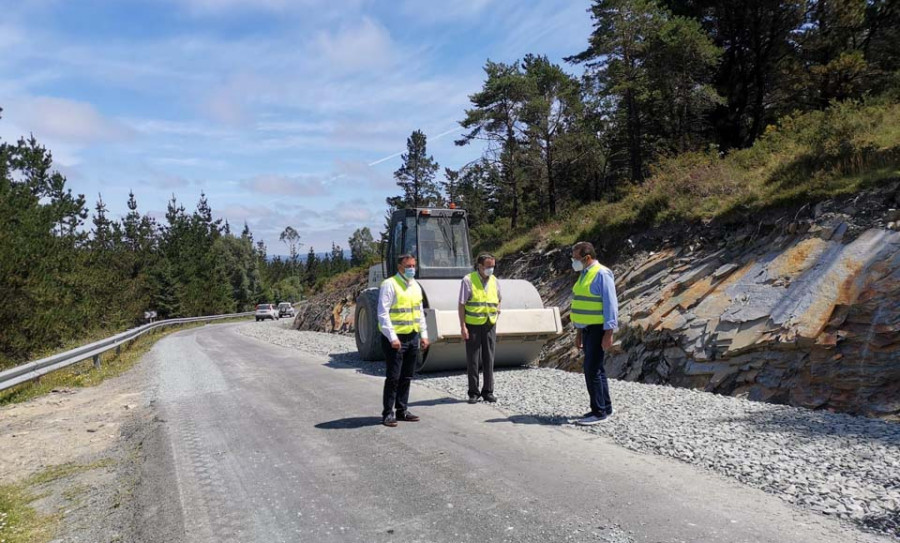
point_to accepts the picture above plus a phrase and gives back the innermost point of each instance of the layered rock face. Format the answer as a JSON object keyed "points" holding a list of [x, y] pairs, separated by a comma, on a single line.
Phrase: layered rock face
{"points": [[804, 311], [807, 321], [332, 311]]}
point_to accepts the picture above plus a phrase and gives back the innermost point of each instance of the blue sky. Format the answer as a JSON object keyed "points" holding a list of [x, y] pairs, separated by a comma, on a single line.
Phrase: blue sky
{"points": [[285, 112]]}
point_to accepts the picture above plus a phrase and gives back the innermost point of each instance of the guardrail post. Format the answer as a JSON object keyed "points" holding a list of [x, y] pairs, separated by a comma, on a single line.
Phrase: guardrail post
{"points": [[118, 350], [97, 361]]}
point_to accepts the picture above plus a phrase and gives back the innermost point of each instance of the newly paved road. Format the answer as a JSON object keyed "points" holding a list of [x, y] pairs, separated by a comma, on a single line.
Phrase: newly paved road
{"points": [[255, 442]]}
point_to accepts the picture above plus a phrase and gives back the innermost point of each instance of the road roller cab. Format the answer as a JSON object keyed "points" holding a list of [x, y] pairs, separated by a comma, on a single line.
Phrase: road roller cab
{"points": [[439, 240]]}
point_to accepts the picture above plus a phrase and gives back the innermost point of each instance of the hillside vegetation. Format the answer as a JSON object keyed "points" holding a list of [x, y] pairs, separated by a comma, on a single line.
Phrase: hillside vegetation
{"points": [[803, 159]]}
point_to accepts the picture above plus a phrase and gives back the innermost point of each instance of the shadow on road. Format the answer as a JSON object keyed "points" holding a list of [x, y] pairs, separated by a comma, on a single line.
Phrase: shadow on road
{"points": [[351, 359], [436, 401], [532, 419], [349, 423]]}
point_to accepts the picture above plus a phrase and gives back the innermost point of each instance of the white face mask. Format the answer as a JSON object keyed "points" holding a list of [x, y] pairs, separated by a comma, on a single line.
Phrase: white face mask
{"points": [[577, 265], [488, 272]]}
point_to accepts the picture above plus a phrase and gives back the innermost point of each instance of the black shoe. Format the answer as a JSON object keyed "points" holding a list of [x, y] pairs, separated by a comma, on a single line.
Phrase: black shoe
{"points": [[389, 420], [473, 398], [406, 416], [489, 397]]}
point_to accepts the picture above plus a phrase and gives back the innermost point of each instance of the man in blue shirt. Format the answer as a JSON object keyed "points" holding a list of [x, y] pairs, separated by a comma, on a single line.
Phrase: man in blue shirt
{"points": [[595, 314]]}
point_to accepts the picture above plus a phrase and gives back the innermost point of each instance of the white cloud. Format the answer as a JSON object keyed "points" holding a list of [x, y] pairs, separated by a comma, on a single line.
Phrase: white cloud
{"points": [[375, 178], [191, 162], [177, 128], [10, 36], [65, 120], [434, 12], [353, 213], [218, 6], [364, 46], [304, 185], [166, 181]]}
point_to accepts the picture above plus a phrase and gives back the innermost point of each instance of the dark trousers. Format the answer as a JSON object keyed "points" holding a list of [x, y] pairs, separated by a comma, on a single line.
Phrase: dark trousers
{"points": [[480, 354], [401, 363], [594, 372]]}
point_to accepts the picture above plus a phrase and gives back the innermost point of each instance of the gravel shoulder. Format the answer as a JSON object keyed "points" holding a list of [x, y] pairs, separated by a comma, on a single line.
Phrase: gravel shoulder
{"points": [[836, 465], [78, 451]]}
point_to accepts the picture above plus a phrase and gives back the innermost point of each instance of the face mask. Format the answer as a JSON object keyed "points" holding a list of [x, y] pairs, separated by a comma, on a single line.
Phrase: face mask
{"points": [[489, 272], [577, 265], [409, 273]]}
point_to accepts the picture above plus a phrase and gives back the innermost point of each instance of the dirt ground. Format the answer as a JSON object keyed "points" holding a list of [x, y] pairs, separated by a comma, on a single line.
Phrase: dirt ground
{"points": [[83, 446], [67, 425]]}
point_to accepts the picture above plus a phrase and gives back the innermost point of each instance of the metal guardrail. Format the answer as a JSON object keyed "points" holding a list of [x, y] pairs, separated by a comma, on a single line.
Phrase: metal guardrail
{"points": [[33, 370]]}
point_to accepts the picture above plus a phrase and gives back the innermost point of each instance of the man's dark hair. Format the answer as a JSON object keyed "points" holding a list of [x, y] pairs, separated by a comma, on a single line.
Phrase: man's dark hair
{"points": [[586, 248], [403, 258], [483, 257]]}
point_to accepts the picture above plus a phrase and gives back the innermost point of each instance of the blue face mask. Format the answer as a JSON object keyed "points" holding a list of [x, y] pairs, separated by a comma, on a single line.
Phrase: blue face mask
{"points": [[409, 273]]}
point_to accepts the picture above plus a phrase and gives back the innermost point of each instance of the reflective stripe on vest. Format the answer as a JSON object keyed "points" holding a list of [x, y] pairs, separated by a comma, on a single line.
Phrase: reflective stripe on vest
{"points": [[587, 309], [482, 305], [405, 312]]}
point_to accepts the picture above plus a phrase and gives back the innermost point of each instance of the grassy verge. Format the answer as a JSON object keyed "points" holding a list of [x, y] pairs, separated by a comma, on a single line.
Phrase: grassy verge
{"points": [[805, 159], [19, 521], [83, 374]]}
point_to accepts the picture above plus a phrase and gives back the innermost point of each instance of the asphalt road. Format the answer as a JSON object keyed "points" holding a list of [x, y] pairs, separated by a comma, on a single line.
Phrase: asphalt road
{"points": [[254, 442]]}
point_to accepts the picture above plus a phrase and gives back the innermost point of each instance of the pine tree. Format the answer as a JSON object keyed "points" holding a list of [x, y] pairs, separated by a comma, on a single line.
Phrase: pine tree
{"points": [[416, 175], [496, 118], [103, 232], [552, 107], [338, 262], [640, 59], [450, 185], [312, 266], [164, 296]]}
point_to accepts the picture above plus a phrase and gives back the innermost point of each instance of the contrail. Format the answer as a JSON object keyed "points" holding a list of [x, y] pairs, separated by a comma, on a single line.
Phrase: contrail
{"points": [[385, 159], [433, 138]]}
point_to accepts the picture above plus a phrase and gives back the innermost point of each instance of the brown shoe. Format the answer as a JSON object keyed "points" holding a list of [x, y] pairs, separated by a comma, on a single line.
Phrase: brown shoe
{"points": [[407, 417], [389, 420]]}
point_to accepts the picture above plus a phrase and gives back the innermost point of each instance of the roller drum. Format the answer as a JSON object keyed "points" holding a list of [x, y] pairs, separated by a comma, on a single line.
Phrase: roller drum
{"points": [[524, 325]]}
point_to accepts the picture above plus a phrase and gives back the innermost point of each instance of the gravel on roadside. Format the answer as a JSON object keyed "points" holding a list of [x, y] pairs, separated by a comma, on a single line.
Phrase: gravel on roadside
{"points": [[835, 464]]}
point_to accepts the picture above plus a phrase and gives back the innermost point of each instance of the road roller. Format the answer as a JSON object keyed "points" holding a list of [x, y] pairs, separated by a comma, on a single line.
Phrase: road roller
{"points": [[439, 239]]}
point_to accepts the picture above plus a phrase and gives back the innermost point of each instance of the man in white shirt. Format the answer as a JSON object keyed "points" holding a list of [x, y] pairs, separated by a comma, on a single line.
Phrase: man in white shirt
{"points": [[401, 319]]}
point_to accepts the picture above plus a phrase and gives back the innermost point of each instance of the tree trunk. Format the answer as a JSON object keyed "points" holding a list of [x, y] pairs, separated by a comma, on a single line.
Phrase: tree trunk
{"points": [[634, 137], [551, 182]]}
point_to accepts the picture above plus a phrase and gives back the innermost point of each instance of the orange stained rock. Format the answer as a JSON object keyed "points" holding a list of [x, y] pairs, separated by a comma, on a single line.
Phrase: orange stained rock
{"points": [[840, 285], [673, 321], [798, 258], [698, 293], [715, 301]]}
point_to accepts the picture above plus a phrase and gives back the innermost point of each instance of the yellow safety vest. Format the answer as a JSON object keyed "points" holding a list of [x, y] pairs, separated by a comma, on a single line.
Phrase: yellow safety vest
{"points": [[482, 305], [587, 309], [405, 312]]}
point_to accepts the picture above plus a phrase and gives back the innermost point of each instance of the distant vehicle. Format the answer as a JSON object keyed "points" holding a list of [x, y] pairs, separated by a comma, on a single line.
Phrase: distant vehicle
{"points": [[285, 309], [266, 311]]}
